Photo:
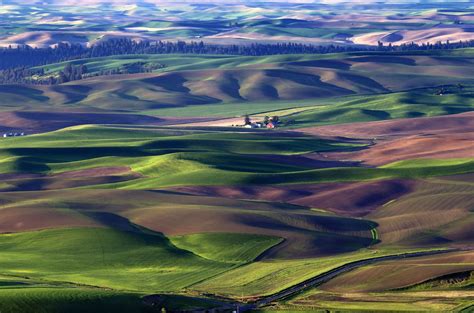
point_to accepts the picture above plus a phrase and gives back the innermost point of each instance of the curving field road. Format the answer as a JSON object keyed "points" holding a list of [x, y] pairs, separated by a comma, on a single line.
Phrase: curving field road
{"points": [[322, 278], [315, 281]]}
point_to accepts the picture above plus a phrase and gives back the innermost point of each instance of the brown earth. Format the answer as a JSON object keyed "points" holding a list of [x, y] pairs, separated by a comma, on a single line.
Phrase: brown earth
{"points": [[71, 179], [441, 137], [35, 217], [437, 212], [443, 146], [306, 233], [401, 273], [463, 122], [95, 172], [347, 199]]}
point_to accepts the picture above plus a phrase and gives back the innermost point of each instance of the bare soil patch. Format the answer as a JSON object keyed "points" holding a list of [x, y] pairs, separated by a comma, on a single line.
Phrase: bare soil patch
{"points": [[71, 179], [442, 137], [401, 273], [347, 199], [401, 127]]}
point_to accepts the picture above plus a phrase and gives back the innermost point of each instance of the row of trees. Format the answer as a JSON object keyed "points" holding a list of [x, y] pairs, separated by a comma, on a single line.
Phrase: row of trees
{"points": [[132, 68], [70, 72], [26, 56], [21, 75], [26, 76]]}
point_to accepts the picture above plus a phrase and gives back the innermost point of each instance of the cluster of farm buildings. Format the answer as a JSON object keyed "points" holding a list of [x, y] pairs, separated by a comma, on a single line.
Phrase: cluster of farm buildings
{"points": [[260, 125], [267, 122]]}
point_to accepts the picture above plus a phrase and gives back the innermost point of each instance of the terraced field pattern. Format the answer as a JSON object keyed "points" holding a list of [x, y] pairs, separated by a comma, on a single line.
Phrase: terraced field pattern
{"points": [[145, 192]]}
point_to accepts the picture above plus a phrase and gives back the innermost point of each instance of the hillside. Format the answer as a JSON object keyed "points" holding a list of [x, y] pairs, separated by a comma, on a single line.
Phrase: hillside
{"points": [[241, 157], [204, 81], [327, 22]]}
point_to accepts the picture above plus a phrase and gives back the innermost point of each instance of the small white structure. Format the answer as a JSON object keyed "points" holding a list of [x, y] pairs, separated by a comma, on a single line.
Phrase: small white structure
{"points": [[6, 135]]}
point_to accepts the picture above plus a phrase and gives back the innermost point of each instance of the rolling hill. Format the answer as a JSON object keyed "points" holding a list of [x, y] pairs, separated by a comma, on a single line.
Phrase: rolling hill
{"points": [[422, 284], [307, 90], [141, 191]]}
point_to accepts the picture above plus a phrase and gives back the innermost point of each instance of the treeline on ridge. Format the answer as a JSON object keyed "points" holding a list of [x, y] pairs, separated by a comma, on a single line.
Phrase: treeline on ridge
{"points": [[26, 56]]}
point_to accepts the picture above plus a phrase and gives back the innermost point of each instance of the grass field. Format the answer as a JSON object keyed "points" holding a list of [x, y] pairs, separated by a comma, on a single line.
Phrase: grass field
{"points": [[233, 85], [439, 211], [307, 233], [436, 213], [165, 158], [401, 275], [410, 104], [62, 299], [382, 302], [267, 277], [35, 296], [202, 257], [149, 240], [225, 247], [122, 259], [422, 284], [134, 185]]}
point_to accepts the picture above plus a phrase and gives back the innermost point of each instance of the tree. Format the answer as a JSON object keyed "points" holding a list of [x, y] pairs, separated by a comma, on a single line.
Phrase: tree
{"points": [[247, 120], [68, 71], [266, 120], [62, 78]]}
